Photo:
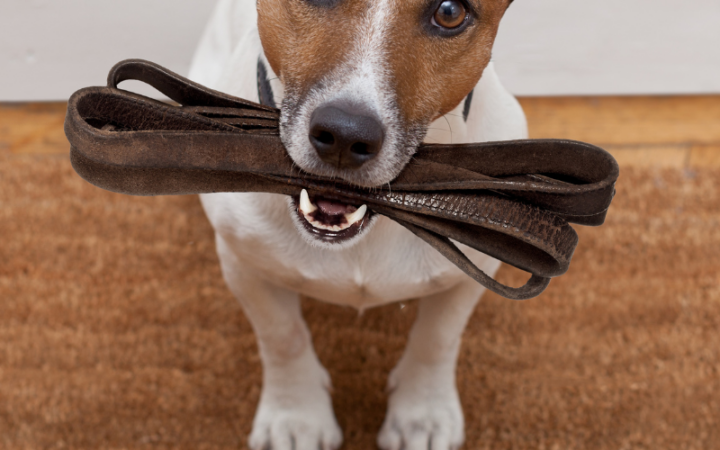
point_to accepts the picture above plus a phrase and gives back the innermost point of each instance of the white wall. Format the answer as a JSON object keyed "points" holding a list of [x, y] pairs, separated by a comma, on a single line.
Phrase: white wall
{"points": [[548, 47], [49, 48]]}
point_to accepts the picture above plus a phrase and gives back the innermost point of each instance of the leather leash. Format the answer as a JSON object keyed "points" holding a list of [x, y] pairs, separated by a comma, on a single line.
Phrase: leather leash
{"points": [[512, 200]]}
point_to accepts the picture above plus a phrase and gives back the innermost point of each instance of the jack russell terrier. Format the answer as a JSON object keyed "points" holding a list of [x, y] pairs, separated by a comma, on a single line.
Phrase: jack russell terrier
{"points": [[361, 83]]}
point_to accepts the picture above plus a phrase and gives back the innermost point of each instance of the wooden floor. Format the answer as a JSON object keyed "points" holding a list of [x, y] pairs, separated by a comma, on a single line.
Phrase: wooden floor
{"points": [[673, 131]]}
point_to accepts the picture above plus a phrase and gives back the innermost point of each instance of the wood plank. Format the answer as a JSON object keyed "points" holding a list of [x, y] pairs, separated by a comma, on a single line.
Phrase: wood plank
{"points": [[661, 156], [33, 128], [704, 156], [626, 120]]}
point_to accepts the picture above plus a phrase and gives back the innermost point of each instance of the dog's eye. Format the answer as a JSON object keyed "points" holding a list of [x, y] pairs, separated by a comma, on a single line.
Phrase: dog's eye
{"points": [[450, 14]]}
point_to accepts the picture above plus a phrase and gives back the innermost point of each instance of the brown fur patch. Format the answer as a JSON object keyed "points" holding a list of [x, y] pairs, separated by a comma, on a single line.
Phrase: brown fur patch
{"points": [[302, 43]]}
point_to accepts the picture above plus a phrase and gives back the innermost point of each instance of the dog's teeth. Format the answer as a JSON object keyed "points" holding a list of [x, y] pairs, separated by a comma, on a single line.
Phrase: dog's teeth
{"points": [[307, 208], [306, 205], [357, 216]]}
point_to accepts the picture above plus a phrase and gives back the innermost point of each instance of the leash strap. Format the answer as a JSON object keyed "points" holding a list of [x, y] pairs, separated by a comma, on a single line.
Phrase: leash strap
{"points": [[512, 200]]}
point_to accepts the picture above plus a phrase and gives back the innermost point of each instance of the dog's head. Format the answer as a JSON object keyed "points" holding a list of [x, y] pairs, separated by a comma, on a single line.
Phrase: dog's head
{"points": [[363, 79]]}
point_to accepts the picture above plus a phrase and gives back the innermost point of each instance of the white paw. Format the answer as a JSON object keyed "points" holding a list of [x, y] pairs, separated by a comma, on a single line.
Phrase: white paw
{"points": [[296, 416], [424, 413]]}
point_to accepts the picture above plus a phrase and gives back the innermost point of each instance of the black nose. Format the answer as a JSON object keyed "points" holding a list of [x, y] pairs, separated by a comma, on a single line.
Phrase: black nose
{"points": [[345, 140]]}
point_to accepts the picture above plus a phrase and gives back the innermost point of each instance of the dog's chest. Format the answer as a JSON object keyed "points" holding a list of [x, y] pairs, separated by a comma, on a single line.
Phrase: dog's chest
{"points": [[388, 264]]}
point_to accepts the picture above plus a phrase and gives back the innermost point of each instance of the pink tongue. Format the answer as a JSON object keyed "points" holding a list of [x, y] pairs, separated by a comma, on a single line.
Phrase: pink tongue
{"points": [[332, 208]]}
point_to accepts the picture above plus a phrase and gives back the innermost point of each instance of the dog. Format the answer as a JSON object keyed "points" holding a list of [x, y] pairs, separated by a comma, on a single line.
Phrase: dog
{"points": [[361, 83]]}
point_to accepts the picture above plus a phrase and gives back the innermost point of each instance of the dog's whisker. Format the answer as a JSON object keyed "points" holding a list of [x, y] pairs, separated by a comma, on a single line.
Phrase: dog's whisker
{"points": [[450, 127]]}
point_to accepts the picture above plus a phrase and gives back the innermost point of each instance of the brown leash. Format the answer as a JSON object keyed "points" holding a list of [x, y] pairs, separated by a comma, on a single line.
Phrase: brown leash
{"points": [[512, 200]]}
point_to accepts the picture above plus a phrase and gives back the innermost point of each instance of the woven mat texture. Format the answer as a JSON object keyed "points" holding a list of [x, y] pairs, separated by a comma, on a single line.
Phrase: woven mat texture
{"points": [[117, 332]]}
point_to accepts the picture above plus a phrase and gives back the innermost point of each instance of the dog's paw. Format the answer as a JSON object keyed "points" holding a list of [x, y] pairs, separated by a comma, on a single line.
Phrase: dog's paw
{"points": [[298, 418], [294, 430], [424, 413]]}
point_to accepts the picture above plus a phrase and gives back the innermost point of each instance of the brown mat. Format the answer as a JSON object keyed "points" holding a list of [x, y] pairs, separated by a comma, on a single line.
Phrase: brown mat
{"points": [[116, 330]]}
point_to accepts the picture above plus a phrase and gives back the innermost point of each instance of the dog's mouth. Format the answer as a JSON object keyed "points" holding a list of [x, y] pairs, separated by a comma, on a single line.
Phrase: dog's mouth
{"points": [[331, 220]]}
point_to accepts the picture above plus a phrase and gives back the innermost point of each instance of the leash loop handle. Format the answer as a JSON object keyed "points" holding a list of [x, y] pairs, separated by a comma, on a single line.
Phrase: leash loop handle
{"points": [[534, 286], [176, 87]]}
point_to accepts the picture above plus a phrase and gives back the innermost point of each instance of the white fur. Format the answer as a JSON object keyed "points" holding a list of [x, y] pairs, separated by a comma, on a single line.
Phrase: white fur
{"points": [[362, 80], [266, 263]]}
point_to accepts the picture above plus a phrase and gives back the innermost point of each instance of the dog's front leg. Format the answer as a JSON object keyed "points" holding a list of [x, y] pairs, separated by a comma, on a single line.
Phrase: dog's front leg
{"points": [[295, 410], [424, 409]]}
